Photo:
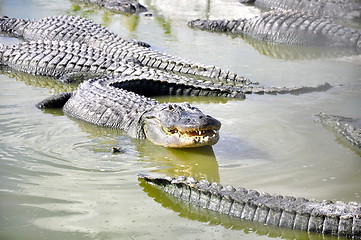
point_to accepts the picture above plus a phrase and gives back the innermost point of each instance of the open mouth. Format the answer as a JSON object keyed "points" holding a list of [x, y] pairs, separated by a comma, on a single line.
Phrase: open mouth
{"points": [[197, 136]]}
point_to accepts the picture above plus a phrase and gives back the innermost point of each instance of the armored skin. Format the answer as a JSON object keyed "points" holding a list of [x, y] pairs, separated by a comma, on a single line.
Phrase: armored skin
{"points": [[288, 27], [84, 31], [326, 217], [58, 58], [80, 61], [105, 102], [119, 102]]}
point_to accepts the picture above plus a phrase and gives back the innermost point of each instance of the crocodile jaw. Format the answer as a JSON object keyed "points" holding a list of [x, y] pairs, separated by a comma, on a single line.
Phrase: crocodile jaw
{"points": [[180, 139], [193, 138], [179, 125]]}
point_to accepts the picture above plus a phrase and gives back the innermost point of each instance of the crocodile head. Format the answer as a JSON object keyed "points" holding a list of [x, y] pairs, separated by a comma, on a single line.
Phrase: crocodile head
{"points": [[180, 126]]}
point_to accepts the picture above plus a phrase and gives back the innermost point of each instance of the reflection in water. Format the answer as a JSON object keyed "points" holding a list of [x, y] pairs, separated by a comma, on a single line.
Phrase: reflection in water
{"points": [[209, 9], [77, 10], [198, 162], [165, 12], [87, 9], [293, 52], [164, 23], [191, 212], [106, 18], [132, 22], [38, 81]]}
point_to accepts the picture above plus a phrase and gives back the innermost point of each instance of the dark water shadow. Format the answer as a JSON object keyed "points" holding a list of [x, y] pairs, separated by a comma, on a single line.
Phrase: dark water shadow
{"points": [[298, 52], [293, 52], [37, 81], [198, 162], [87, 9]]}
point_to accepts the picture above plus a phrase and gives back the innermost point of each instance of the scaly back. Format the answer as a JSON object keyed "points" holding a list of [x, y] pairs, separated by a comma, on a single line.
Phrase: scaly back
{"points": [[81, 30]]}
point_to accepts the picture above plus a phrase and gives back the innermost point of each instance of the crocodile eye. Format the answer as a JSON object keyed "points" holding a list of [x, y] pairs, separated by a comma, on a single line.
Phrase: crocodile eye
{"points": [[170, 107]]}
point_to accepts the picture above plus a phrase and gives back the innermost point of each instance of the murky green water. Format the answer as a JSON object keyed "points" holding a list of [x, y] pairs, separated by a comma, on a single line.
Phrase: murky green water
{"points": [[59, 180]]}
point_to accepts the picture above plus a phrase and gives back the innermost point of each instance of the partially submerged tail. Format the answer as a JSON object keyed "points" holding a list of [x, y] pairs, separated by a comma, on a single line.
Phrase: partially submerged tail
{"points": [[55, 101], [285, 90], [325, 217]]}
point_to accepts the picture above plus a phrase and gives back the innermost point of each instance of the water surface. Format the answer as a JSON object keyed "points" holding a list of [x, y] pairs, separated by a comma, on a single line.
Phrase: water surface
{"points": [[59, 179]]}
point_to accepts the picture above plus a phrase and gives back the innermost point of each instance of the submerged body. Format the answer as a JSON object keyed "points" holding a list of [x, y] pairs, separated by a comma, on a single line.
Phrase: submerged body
{"points": [[104, 102], [288, 27], [326, 217]]}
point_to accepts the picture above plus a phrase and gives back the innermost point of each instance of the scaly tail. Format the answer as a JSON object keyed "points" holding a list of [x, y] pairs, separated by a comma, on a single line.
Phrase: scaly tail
{"points": [[325, 217]]}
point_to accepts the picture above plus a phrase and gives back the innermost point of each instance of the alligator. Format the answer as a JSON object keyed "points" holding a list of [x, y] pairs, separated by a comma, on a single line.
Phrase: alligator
{"points": [[81, 30], [346, 9], [348, 128], [68, 61], [326, 217], [56, 59], [288, 27], [120, 6], [106, 102]]}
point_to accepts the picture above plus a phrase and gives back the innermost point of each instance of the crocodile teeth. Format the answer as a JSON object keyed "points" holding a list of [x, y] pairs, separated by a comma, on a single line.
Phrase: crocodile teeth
{"points": [[198, 135]]}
